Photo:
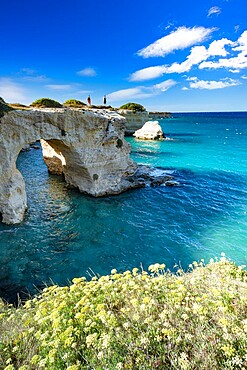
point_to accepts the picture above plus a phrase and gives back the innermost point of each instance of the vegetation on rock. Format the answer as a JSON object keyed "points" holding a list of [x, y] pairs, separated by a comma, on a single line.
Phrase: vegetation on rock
{"points": [[133, 320], [133, 106], [18, 106], [73, 103], [46, 103], [4, 107]]}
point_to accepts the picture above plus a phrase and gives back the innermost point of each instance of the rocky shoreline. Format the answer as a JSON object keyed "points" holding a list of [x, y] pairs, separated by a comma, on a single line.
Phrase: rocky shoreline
{"points": [[145, 176]]}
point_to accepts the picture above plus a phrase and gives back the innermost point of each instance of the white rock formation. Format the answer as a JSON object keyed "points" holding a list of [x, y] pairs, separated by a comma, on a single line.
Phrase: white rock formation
{"points": [[151, 130], [87, 147]]}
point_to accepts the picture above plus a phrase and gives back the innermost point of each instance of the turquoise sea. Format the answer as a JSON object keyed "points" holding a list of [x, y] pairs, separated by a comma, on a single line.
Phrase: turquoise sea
{"points": [[66, 234]]}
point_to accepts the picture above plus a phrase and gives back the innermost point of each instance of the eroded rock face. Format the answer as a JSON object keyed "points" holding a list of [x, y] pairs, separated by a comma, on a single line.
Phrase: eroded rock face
{"points": [[134, 120], [151, 130], [87, 147]]}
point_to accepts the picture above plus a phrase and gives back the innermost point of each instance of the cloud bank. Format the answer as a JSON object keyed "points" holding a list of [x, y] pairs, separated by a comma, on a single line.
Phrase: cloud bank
{"points": [[199, 56], [195, 83]]}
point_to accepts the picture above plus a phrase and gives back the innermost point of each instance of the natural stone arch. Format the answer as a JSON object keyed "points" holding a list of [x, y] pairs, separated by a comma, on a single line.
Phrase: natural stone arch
{"points": [[89, 148]]}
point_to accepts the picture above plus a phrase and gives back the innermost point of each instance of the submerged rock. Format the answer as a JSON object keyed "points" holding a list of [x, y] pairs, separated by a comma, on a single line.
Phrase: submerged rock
{"points": [[147, 176], [151, 130]]}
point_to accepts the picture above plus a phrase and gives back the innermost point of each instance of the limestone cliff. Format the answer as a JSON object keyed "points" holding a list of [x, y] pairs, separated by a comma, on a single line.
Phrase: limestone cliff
{"points": [[134, 120], [87, 147], [159, 115]]}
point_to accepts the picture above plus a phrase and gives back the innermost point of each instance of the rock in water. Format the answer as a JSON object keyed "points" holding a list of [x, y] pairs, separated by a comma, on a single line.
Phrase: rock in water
{"points": [[151, 130]]}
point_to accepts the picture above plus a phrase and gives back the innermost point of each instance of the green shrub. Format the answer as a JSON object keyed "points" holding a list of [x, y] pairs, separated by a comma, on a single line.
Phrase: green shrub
{"points": [[133, 106], [133, 320], [73, 103], [46, 103], [4, 107]]}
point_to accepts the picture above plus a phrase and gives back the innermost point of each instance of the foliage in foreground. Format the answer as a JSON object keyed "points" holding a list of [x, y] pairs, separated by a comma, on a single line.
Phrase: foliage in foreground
{"points": [[46, 103], [133, 106], [133, 320]]}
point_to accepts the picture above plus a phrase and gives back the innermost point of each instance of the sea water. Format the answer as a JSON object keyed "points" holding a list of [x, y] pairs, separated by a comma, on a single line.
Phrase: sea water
{"points": [[66, 234]]}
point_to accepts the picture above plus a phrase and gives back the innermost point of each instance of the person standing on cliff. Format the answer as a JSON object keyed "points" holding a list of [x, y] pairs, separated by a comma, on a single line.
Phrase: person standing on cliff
{"points": [[104, 100], [89, 100]]}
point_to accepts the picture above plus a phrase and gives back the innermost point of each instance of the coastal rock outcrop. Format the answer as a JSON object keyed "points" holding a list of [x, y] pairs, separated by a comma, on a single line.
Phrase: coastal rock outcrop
{"points": [[149, 176], [151, 130], [159, 115], [88, 148], [134, 120]]}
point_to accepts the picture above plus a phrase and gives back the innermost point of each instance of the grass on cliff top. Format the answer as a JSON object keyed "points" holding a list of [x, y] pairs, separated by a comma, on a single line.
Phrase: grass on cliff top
{"points": [[133, 320], [73, 103], [46, 103]]}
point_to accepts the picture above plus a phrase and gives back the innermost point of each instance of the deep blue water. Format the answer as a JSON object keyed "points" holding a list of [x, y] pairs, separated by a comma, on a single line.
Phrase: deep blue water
{"points": [[67, 234]]}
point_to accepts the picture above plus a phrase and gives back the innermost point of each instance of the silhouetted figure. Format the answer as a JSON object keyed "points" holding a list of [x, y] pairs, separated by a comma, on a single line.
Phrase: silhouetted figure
{"points": [[104, 99], [89, 100]]}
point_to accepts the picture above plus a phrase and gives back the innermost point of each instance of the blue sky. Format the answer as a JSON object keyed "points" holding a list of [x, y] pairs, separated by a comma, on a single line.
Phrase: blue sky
{"points": [[179, 55]]}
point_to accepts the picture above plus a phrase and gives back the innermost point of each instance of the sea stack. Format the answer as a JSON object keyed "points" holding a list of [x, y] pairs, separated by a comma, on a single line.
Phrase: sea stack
{"points": [[151, 130]]}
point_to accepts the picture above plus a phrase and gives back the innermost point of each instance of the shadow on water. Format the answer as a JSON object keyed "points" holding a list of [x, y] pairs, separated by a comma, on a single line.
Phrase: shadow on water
{"points": [[66, 233]]}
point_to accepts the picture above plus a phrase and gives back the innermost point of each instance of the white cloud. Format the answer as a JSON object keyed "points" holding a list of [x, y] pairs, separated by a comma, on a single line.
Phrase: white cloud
{"points": [[235, 63], [199, 56], [148, 73], [125, 94], [192, 79], [180, 39], [212, 85], [214, 10], [244, 77], [234, 70], [59, 87], [217, 47], [165, 85], [11, 91], [141, 91], [89, 72], [242, 41]]}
